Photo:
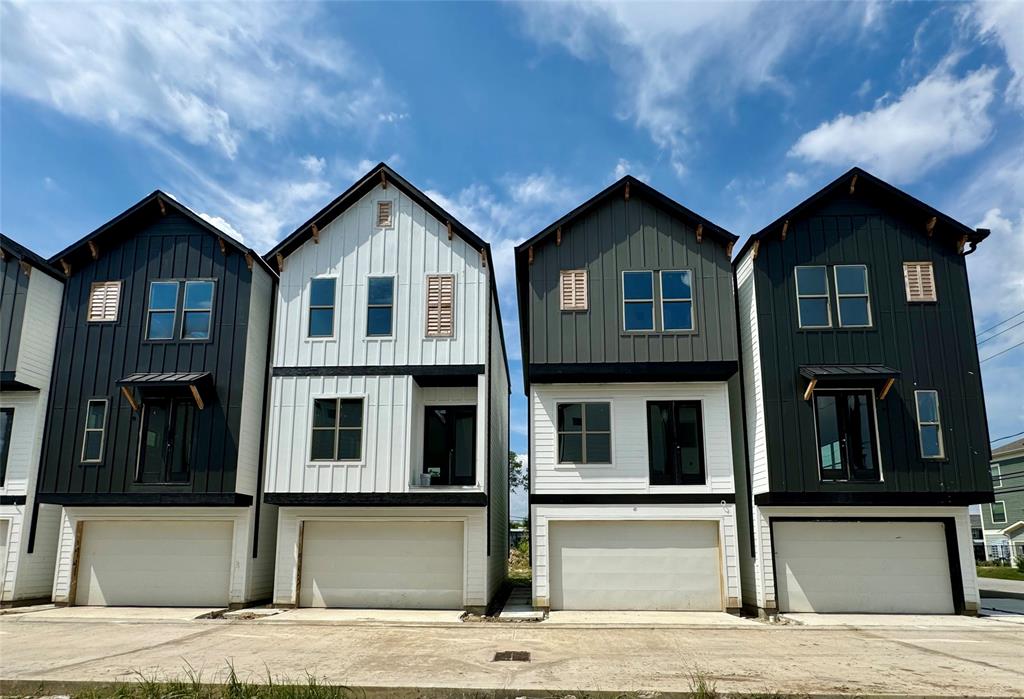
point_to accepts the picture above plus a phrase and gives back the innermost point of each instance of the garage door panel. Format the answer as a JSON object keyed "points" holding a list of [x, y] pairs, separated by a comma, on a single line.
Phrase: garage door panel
{"points": [[656, 565], [415, 565], [875, 567], [155, 563]]}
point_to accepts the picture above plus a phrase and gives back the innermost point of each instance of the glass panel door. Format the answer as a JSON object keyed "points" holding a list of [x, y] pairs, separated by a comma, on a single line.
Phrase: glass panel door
{"points": [[449, 445]]}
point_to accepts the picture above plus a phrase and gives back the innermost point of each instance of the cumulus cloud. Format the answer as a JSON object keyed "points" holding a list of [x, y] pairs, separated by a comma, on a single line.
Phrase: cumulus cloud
{"points": [[223, 226], [625, 167], [1003, 22], [937, 119], [207, 74]]}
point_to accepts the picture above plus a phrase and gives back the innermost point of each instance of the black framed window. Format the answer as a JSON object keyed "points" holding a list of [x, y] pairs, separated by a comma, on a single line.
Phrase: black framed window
{"points": [[584, 433], [321, 306], [165, 454], [449, 444], [997, 512], [95, 430], [847, 444], [929, 425], [6, 421], [675, 441], [337, 429], [380, 306]]}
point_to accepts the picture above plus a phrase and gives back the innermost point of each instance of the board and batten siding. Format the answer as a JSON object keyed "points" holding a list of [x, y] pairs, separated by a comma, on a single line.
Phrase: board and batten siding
{"points": [[629, 471], [94, 356], [352, 249], [933, 345], [497, 456], [13, 296], [618, 236]]}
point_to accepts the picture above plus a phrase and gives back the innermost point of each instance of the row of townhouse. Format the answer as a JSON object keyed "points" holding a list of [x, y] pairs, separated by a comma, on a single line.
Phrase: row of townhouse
{"points": [[798, 428]]}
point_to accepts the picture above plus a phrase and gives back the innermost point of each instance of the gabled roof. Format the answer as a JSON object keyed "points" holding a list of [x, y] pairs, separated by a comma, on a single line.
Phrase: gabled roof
{"points": [[1010, 448], [124, 225], [859, 181], [12, 248]]}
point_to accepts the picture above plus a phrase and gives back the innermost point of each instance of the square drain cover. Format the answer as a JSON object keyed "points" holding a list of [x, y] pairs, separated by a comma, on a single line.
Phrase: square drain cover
{"points": [[513, 656]]}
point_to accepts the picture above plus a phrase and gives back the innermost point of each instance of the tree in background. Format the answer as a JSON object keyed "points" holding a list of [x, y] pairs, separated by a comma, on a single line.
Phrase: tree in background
{"points": [[518, 476]]}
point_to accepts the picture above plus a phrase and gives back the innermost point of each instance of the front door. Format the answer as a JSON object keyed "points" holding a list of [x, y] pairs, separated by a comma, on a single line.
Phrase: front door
{"points": [[449, 444], [165, 452]]}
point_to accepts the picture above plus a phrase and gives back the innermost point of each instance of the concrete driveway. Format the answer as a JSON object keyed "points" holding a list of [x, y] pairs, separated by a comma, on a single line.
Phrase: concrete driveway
{"points": [[923, 656]]}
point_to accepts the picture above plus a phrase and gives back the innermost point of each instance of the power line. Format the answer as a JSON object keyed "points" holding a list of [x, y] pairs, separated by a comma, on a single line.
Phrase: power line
{"points": [[993, 356], [1009, 436], [1001, 322], [1004, 330]]}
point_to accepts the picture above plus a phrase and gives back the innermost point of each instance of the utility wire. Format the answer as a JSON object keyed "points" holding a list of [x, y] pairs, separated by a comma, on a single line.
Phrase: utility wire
{"points": [[993, 356], [1009, 436], [1004, 330], [1001, 322]]}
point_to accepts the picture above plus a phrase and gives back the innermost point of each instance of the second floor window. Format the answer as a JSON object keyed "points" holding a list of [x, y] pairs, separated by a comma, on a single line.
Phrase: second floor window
{"points": [[193, 298], [584, 433], [167, 439], [6, 422], [321, 306], [449, 444], [337, 429], [847, 446], [929, 425], [197, 310], [851, 294], [675, 442], [852, 297], [638, 301], [104, 299], [163, 310], [95, 430], [812, 302], [380, 306], [677, 300]]}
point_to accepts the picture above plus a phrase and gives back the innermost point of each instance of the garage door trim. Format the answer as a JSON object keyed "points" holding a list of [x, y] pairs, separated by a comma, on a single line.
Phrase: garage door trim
{"points": [[956, 582]]}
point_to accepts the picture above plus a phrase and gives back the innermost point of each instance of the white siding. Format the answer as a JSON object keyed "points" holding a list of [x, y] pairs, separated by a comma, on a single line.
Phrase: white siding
{"points": [[750, 359], [475, 541], [723, 514], [39, 330], [497, 487], [629, 471], [250, 431], [351, 248]]}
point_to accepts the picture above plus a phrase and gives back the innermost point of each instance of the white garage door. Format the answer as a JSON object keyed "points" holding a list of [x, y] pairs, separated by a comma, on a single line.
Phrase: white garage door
{"points": [[635, 565], [381, 564], [155, 563], [884, 567]]}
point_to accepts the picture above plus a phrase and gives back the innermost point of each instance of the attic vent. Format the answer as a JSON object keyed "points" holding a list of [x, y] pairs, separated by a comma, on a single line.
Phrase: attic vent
{"points": [[104, 298], [574, 290], [440, 305], [385, 214], [920, 281]]}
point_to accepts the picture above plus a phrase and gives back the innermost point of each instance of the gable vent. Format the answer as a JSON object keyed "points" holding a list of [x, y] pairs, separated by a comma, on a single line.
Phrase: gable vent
{"points": [[104, 299], [440, 305], [920, 281], [385, 214], [574, 290]]}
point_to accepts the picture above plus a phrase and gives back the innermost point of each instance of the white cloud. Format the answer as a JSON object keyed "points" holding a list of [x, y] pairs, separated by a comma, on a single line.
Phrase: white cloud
{"points": [[864, 89], [222, 225], [1003, 22], [209, 74], [937, 119], [794, 180], [625, 167], [313, 164]]}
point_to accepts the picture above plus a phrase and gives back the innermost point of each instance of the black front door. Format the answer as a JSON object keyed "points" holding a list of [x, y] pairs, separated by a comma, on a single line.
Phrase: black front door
{"points": [[165, 452], [449, 444]]}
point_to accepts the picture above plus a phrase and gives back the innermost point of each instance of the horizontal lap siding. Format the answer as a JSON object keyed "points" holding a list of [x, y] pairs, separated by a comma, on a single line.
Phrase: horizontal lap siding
{"points": [[629, 472], [750, 352]]}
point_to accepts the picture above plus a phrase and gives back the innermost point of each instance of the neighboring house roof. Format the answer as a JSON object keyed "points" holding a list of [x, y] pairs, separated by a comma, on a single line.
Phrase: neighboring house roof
{"points": [[121, 227], [12, 248], [1011, 530], [1015, 448], [859, 181]]}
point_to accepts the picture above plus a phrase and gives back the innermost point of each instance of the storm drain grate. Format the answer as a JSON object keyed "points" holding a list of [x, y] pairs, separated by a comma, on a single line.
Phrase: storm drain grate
{"points": [[512, 656]]}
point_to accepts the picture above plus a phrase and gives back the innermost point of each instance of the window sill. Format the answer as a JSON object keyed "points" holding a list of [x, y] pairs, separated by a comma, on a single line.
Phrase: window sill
{"points": [[582, 467], [446, 488], [317, 464], [658, 333]]}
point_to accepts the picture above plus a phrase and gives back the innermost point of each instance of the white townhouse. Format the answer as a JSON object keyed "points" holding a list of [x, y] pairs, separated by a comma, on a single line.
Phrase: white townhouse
{"points": [[387, 440], [630, 352], [30, 298]]}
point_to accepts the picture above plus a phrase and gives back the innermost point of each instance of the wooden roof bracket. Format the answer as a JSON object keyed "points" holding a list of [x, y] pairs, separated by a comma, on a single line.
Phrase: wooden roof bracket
{"points": [[449, 229], [223, 246], [248, 261], [728, 249], [700, 232], [887, 388], [529, 254], [127, 393], [383, 180], [810, 389], [558, 237], [25, 267], [483, 257], [3, 255], [66, 267], [930, 226], [94, 250], [196, 396], [163, 208], [853, 183], [785, 229], [280, 262], [316, 234], [627, 191], [756, 248], [960, 244]]}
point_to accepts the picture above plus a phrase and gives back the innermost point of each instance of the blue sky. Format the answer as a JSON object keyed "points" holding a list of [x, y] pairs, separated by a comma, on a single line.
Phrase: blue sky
{"points": [[510, 114]]}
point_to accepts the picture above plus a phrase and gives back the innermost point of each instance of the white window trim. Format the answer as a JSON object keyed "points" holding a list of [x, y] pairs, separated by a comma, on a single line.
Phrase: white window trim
{"points": [[394, 305], [361, 461], [102, 430], [310, 307], [117, 306], [390, 224], [575, 308], [571, 465], [878, 440], [693, 302], [996, 472], [866, 296], [906, 281], [654, 320], [827, 296], [426, 307], [992, 514], [184, 309], [937, 423]]}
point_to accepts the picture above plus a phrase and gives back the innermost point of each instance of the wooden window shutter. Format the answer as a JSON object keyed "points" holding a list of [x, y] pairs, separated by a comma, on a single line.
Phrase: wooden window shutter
{"points": [[104, 299], [920, 281], [440, 305], [385, 214], [574, 290]]}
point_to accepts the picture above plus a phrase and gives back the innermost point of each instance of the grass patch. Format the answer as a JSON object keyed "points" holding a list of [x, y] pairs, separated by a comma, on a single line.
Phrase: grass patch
{"points": [[519, 572], [1000, 572]]}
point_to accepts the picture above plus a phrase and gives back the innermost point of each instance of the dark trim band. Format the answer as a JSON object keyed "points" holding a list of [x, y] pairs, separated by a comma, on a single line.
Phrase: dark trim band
{"points": [[425, 370], [632, 372], [632, 498], [13, 499], [917, 499], [475, 499], [146, 499]]}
